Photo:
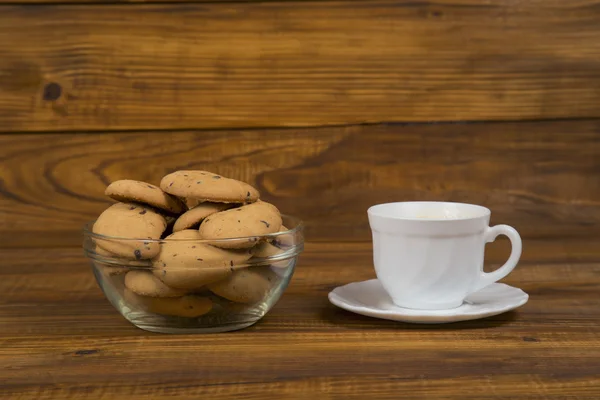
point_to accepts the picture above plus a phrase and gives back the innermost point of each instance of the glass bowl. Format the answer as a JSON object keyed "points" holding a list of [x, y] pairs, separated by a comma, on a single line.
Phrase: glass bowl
{"points": [[232, 289]]}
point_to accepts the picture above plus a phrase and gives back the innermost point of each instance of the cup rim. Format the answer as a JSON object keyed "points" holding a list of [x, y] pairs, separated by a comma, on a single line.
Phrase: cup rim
{"points": [[374, 211]]}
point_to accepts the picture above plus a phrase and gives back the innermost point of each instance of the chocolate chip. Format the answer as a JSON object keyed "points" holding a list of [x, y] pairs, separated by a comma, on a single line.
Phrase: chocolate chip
{"points": [[137, 254], [266, 223], [171, 184], [146, 243], [184, 174], [175, 255], [150, 186], [231, 263], [199, 259], [132, 208], [143, 212], [248, 195], [231, 269], [164, 272], [239, 209], [216, 177], [164, 264], [198, 182], [193, 247], [238, 221]]}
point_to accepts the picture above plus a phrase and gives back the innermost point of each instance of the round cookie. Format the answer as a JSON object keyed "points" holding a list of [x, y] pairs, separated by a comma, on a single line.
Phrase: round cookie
{"points": [[248, 285], [256, 219], [127, 190], [187, 306], [145, 283], [197, 214], [191, 203], [207, 186], [130, 221], [286, 239], [266, 249], [187, 264], [107, 269]]}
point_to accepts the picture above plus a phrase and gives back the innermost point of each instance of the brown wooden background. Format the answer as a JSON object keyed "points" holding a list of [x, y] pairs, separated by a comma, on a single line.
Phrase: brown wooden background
{"points": [[327, 107]]}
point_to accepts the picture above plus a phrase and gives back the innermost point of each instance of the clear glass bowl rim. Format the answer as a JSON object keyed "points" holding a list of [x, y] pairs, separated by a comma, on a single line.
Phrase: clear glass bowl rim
{"points": [[290, 251], [299, 227]]}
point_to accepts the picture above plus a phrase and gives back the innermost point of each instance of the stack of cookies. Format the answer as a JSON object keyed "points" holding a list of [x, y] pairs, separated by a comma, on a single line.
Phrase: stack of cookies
{"points": [[212, 227]]}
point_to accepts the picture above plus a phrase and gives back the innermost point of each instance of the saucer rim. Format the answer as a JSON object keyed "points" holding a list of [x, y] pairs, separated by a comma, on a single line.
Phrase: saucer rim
{"points": [[410, 315]]}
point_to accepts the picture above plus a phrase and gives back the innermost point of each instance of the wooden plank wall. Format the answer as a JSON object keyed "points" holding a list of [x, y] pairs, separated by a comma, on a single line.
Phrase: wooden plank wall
{"points": [[326, 106]]}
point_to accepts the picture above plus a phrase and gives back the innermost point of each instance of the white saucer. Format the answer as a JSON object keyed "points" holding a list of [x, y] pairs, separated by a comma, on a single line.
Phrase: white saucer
{"points": [[370, 299]]}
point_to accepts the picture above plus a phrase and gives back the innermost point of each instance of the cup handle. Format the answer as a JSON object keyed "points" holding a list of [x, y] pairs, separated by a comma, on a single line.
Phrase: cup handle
{"points": [[491, 233]]}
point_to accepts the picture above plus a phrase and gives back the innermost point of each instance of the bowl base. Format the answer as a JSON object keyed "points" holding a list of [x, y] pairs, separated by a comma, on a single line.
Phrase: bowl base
{"points": [[175, 330]]}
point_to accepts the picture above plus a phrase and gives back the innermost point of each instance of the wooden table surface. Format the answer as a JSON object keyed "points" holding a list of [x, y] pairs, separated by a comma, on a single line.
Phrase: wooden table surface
{"points": [[327, 107], [60, 339]]}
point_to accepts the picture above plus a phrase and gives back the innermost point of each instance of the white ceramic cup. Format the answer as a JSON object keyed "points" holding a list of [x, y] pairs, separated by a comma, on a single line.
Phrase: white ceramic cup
{"points": [[429, 255]]}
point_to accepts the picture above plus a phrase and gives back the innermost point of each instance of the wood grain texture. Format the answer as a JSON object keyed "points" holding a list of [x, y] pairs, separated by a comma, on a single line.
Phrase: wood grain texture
{"points": [[543, 178], [61, 339], [278, 64]]}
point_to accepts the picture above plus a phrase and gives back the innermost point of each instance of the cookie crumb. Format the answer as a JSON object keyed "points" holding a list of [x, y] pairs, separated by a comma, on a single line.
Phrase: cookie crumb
{"points": [[137, 254]]}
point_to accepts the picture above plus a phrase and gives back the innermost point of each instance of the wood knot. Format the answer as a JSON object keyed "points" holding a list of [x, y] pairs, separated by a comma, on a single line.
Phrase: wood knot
{"points": [[52, 91]]}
